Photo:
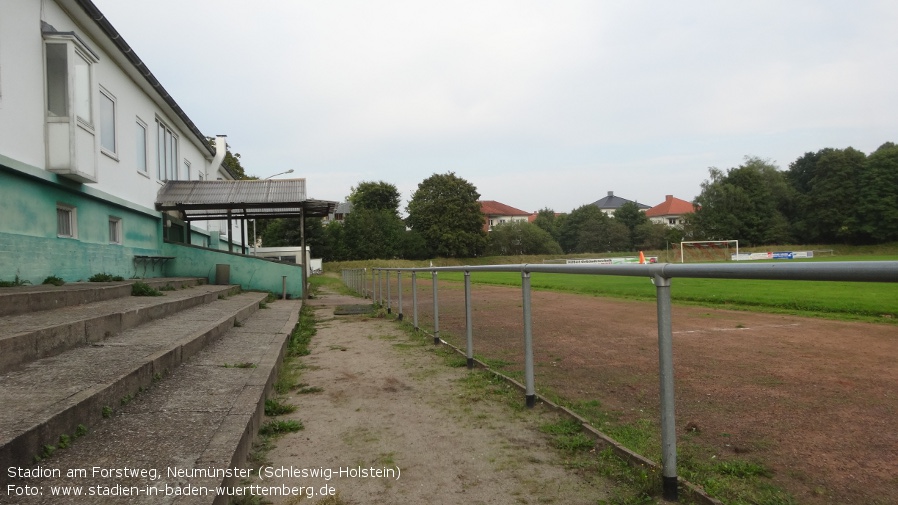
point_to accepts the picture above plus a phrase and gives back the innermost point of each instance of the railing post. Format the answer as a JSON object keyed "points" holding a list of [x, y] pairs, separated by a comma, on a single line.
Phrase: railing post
{"points": [[378, 291], [415, 300], [666, 374], [436, 310], [468, 318], [399, 289], [389, 296], [365, 282], [528, 340]]}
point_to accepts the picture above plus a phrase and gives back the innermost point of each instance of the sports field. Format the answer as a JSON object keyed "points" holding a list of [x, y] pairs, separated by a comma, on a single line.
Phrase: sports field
{"points": [[771, 407]]}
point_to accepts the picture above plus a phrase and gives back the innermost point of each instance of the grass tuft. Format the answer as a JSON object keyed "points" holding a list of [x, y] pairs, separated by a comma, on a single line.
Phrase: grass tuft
{"points": [[277, 427], [104, 277], [273, 407], [143, 289]]}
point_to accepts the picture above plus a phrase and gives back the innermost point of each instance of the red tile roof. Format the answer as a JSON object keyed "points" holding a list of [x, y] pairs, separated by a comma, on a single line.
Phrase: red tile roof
{"points": [[494, 208], [671, 206]]}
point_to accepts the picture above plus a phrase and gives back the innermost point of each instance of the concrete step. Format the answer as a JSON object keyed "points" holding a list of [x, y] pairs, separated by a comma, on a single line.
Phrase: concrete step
{"points": [[27, 337], [28, 299], [203, 416], [52, 396]]}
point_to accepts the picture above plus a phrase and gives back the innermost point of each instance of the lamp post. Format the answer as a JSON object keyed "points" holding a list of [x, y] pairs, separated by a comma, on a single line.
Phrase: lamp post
{"points": [[255, 240], [275, 175]]}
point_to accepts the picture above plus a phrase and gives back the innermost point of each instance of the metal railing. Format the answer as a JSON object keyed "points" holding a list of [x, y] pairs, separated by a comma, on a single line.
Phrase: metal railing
{"points": [[660, 274]]}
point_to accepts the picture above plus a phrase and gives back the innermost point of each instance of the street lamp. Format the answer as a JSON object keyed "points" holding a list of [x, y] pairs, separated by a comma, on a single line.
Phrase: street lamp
{"points": [[275, 175], [255, 240]]}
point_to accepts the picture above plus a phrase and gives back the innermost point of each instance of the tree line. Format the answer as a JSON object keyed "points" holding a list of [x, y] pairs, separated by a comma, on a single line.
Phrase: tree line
{"points": [[828, 196], [832, 196]]}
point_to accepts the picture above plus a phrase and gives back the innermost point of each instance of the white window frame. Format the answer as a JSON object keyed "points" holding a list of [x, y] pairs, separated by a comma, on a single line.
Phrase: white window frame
{"points": [[115, 230], [79, 80], [166, 152], [70, 212], [187, 172], [146, 164], [112, 153]]}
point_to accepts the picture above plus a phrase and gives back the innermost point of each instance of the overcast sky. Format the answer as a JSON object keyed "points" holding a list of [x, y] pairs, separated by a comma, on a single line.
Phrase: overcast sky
{"points": [[538, 104]]}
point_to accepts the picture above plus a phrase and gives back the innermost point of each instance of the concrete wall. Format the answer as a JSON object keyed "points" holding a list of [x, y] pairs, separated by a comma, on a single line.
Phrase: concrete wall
{"points": [[250, 272]]}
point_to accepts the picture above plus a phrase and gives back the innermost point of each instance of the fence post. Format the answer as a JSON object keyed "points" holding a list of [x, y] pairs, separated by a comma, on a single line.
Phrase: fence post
{"points": [[436, 310], [389, 296], [399, 289], [528, 340], [666, 374], [468, 318], [415, 300]]}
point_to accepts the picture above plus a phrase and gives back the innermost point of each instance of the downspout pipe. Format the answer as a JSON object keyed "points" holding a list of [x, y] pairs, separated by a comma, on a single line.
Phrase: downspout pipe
{"points": [[221, 148]]}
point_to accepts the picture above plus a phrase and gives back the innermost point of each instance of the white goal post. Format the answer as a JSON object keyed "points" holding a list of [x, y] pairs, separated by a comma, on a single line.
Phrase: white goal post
{"points": [[708, 248]]}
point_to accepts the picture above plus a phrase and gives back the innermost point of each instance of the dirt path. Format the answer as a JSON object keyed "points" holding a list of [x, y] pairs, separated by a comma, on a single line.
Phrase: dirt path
{"points": [[389, 404]]}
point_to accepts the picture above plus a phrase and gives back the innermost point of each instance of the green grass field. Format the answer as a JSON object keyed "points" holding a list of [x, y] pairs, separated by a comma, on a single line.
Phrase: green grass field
{"points": [[853, 301], [838, 300]]}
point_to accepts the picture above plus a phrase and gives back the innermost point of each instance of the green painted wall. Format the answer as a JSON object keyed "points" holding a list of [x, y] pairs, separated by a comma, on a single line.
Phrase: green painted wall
{"points": [[30, 248], [36, 258], [248, 271]]}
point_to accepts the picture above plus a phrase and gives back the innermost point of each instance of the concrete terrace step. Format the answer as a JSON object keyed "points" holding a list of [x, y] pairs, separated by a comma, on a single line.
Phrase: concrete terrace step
{"points": [[40, 334], [50, 397], [27, 299], [203, 416]]}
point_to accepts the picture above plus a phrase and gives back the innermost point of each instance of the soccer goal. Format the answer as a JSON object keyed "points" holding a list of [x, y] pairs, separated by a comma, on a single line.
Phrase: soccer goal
{"points": [[708, 250]]}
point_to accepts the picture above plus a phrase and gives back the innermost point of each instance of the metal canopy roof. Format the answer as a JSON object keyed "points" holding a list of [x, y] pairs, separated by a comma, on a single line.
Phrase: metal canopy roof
{"points": [[243, 199]]}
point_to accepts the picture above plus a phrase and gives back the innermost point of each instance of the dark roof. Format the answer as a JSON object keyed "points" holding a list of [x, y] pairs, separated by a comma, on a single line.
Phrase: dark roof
{"points": [[615, 202], [243, 199], [115, 38]]}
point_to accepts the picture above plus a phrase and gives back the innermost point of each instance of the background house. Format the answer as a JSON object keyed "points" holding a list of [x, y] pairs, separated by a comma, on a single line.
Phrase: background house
{"points": [[670, 212], [611, 203], [497, 213]]}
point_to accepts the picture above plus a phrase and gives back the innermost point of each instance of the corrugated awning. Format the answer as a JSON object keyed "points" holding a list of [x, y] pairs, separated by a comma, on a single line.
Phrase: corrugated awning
{"points": [[243, 199]]}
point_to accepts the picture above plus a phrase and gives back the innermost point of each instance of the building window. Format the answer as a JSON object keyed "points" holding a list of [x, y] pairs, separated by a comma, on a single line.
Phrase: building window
{"points": [[187, 175], [141, 144], [69, 76], [107, 122], [115, 230], [672, 220], [166, 152], [57, 80], [83, 107], [66, 221]]}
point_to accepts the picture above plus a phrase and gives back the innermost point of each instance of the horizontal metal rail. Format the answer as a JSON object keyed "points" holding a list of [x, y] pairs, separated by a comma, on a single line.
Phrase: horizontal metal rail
{"points": [[661, 275]]}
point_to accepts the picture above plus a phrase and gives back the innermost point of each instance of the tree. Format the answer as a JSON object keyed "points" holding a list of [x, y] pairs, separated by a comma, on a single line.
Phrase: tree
{"points": [[520, 237], [548, 221], [877, 208], [446, 212], [603, 235], [373, 234], [632, 217], [373, 229], [375, 196], [649, 235], [284, 232], [826, 185], [745, 203]]}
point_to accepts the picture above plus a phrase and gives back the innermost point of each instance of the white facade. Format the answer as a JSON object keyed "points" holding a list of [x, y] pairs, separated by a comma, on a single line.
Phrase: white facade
{"points": [[73, 104]]}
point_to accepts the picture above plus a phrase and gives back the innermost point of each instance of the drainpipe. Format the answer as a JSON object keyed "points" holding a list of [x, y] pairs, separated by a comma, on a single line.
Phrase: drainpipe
{"points": [[221, 148]]}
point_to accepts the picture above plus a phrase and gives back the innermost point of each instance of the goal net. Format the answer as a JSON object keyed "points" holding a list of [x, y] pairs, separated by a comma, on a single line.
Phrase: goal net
{"points": [[708, 250]]}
